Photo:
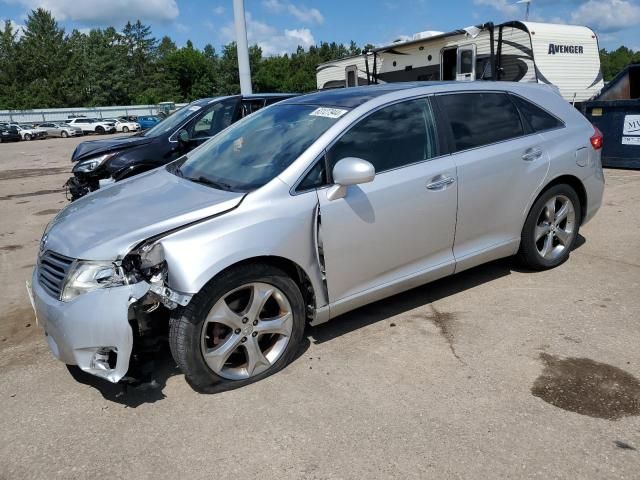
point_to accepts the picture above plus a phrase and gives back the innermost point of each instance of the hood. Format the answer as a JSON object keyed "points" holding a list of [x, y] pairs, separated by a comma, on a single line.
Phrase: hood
{"points": [[98, 147], [107, 224]]}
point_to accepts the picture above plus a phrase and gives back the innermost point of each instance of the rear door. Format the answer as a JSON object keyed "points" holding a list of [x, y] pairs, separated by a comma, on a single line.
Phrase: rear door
{"points": [[500, 166], [401, 225]]}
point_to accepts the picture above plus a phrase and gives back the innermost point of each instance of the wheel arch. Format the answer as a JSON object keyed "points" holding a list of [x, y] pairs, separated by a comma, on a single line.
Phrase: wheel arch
{"points": [[288, 266], [575, 183]]}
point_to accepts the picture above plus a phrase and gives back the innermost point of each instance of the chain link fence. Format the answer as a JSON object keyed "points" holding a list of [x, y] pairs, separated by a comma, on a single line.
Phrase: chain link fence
{"points": [[61, 114]]}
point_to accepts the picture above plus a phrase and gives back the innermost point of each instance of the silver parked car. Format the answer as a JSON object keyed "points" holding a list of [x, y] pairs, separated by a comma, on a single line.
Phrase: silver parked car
{"points": [[308, 209], [61, 130]]}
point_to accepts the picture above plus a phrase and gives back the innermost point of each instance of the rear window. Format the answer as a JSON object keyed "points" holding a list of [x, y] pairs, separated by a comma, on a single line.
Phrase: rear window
{"points": [[538, 119], [478, 119]]}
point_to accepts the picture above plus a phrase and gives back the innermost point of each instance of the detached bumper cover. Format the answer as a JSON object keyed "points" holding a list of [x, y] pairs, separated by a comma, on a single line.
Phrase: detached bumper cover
{"points": [[79, 332]]}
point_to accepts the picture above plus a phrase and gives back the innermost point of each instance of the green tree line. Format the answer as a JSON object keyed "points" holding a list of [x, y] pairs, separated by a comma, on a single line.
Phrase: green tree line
{"points": [[612, 62], [44, 67]]}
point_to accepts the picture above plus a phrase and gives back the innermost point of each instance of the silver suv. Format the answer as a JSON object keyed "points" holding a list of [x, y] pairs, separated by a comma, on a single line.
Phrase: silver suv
{"points": [[308, 209]]}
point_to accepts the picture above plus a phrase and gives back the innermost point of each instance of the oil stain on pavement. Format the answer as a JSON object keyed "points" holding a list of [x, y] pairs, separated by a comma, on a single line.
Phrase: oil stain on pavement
{"points": [[444, 322], [587, 387]]}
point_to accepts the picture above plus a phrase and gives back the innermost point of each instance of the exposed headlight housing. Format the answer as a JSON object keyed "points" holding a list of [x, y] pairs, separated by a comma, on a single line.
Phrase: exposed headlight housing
{"points": [[90, 164], [86, 276]]}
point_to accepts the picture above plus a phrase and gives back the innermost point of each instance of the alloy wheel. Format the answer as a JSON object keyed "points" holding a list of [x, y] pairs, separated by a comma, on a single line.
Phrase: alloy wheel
{"points": [[246, 331], [555, 227]]}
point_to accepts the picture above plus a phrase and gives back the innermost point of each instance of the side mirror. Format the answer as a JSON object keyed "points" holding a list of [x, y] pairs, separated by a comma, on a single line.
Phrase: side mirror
{"points": [[350, 171], [183, 136]]}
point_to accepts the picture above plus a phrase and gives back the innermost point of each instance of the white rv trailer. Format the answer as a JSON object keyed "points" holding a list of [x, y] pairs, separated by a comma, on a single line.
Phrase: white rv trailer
{"points": [[566, 56]]}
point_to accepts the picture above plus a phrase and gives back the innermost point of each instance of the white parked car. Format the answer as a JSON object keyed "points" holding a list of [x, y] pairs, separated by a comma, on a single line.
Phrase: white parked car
{"points": [[92, 125], [124, 125]]}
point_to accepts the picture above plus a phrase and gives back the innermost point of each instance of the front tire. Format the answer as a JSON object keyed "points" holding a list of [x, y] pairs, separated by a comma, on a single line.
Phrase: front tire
{"points": [[99, 130], [125, 129], [551, 228], [240, 328], [27, 136], [64, 134]]}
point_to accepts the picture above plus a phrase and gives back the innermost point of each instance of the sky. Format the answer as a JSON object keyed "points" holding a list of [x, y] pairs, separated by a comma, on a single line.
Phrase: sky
{"points": [[279, 26]]}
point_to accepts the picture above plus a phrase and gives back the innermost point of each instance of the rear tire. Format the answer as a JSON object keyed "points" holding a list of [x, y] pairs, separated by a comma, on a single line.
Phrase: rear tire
{"points": [[243, 326], [551, 229]]}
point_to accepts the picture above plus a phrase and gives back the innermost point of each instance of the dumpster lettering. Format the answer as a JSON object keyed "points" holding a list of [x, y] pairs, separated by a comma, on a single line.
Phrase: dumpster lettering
{"points": [[631, 125]]}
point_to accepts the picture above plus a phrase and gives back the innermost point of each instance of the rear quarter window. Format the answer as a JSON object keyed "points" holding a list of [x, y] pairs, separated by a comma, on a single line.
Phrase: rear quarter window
{"points": [[538, 119]]}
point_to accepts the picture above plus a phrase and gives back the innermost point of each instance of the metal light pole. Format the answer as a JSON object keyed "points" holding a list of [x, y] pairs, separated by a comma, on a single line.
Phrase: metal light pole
{"points": [[243, 50], [528, 2]]}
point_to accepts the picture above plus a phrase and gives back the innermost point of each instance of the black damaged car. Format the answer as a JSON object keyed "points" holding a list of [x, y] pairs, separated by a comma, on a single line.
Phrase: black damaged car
{"points": [[9, 133], [102, 162]]}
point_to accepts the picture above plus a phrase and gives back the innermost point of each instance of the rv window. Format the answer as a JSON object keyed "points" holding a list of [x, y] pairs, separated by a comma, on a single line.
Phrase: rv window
{"points": [[478, 119], [466, 61], [483, 69], [536, 117], [392, 137]]}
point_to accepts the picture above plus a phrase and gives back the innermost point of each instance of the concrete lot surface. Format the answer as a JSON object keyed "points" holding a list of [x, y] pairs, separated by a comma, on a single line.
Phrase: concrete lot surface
{"points": [[492, 373]]}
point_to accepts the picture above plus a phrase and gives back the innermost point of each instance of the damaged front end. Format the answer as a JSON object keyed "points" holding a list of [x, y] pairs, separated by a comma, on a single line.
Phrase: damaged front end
{"points": [[148, 263], [89, 175], [106, 316]]}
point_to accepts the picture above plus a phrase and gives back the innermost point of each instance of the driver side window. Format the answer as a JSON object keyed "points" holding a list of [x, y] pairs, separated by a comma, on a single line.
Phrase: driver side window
{"points": [[394, 136], [218, 117]]}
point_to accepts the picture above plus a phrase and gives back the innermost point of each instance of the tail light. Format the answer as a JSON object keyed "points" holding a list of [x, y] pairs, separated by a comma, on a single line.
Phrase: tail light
{"points": [[596, 138]]}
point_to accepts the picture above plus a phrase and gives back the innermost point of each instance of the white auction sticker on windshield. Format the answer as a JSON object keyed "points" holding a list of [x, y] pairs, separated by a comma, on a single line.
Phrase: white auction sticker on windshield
{"points": [[328, 112]]}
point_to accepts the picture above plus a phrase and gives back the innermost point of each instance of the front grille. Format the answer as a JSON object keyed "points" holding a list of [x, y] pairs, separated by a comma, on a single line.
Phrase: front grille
{"points": [[52, 271]]}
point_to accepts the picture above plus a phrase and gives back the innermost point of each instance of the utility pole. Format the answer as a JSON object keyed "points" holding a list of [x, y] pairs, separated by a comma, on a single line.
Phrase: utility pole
{"points": [[243, 50]]}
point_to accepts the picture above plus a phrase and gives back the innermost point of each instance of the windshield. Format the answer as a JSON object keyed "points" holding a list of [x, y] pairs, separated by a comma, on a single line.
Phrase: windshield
{"points": [[171, 121], [252, 152]]}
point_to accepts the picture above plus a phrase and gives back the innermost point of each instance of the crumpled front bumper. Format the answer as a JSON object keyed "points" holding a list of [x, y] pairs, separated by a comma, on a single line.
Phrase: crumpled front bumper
{"points": [[92, 330]]}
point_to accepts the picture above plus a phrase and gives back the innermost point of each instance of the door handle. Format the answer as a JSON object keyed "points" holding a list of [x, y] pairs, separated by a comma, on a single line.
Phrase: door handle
{"points": [[531, 154], [440, 182]]}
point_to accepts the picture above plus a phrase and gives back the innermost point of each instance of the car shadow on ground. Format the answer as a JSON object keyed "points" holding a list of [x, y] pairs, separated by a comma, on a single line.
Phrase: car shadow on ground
{"points": [[419, 297], [146, 383], [152, 374], [151, 378], [406, 301]]}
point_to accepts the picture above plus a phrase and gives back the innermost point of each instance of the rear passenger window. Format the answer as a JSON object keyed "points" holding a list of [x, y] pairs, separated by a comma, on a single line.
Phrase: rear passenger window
{"points": [[537, 118], [478, 119], [394, 136]]}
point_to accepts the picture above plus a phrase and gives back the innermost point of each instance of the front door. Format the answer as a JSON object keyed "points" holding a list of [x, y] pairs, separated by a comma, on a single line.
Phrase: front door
{"points": [[448, 63], [466, 63], [400, 227]]}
